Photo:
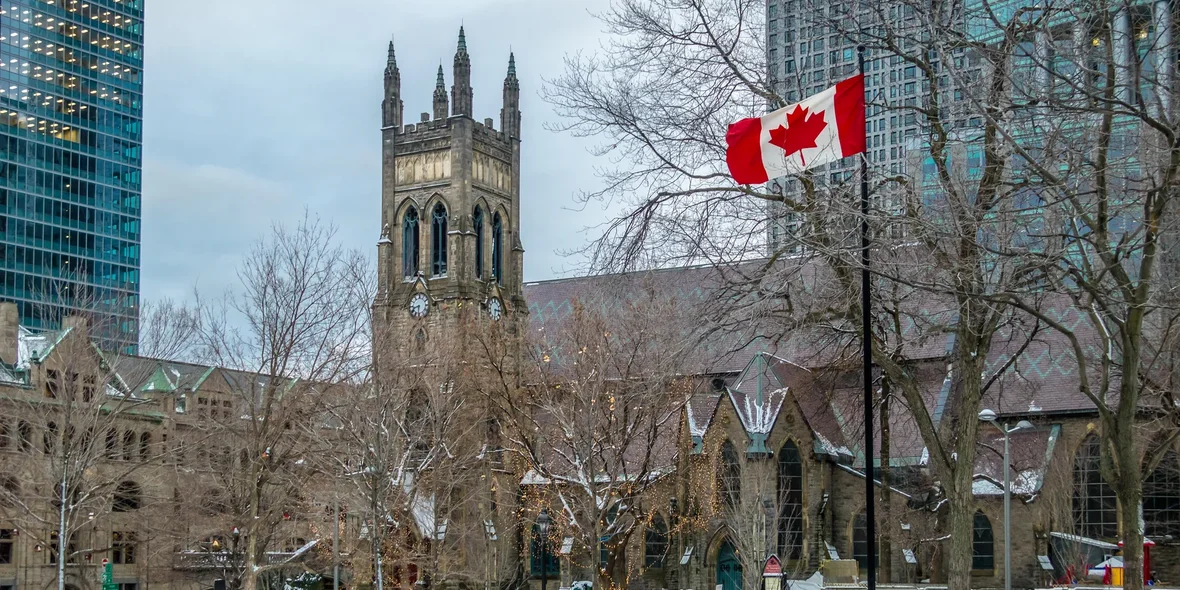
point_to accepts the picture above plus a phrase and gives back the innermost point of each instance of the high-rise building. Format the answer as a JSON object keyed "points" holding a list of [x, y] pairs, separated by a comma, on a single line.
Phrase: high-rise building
{"points": [[806, 53], [71, 112]]}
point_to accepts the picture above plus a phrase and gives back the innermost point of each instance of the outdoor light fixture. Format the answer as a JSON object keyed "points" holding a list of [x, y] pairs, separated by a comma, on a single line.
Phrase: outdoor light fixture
{"points": [[989, 416], [543, 528]]}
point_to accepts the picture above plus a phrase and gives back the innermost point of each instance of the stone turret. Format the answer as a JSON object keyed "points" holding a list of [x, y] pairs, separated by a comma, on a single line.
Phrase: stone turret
{"points": [[391, 106], [439, 175], [510, 113], [440, 96], [461, 94]]}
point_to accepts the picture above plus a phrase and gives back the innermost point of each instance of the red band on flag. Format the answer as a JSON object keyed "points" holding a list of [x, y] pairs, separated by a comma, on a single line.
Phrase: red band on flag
{"points": [[850, 114], [743, 153]]}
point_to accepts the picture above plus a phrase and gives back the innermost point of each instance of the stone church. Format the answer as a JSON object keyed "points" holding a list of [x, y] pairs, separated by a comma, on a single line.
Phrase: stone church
{"points": [[451, 239]]}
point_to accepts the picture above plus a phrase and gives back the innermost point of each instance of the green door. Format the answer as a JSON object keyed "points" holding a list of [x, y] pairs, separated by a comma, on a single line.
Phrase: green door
{"points": [[729, 569]]}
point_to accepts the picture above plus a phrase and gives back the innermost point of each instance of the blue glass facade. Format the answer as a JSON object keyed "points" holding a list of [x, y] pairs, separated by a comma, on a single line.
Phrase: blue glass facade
{"points": [[71, 112]]}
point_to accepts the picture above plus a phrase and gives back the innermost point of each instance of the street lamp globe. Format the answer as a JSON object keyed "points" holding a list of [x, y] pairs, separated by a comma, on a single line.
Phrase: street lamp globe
{"points": [[987, 415], [543, 521]]}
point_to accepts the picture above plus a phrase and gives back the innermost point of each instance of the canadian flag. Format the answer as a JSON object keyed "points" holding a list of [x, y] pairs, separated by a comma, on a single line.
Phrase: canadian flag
{"points": [[822, 128]]}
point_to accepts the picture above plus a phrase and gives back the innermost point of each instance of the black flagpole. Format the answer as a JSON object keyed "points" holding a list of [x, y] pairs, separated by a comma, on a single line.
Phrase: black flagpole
{"points": [[866, 335]]}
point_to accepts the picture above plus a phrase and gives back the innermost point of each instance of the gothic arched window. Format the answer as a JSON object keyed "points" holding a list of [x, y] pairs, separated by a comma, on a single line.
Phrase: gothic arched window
{"points": [[438, 242], [477, 225], [790, 502], [1095, 511], [127, 497], [145, 446], [128, 445], [983, 544], [25, 430], [1161, 498], [497, 249], [731, 475], [49, 438], [655, 542], [112, 450], [410, 243], [860, 540]]}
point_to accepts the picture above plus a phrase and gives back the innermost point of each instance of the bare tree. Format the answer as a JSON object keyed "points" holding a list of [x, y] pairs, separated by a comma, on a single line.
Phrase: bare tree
{"points": [[592, 428], [412, 449], [168, 329], [89, 478], [663, 91], [294, 330], [1099, 145]]}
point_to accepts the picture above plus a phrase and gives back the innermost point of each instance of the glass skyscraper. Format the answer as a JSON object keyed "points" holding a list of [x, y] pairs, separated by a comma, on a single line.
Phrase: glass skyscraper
{"points": [[71, 111]]}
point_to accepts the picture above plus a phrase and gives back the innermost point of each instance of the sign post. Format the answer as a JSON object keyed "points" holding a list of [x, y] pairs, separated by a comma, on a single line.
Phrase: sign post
{"points": [[772, 574], [108, 575]]}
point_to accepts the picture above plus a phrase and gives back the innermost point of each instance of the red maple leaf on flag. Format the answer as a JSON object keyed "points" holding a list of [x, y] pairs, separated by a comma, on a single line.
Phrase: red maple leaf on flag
{"points": [[800, 133]]}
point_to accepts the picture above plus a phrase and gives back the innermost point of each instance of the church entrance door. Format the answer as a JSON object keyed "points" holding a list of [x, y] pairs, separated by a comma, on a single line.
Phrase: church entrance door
{"points": [[729, 569]]}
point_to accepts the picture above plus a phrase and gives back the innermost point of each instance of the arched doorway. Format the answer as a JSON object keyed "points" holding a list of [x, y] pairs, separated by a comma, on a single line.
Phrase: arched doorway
{"points": [[729, 568]]}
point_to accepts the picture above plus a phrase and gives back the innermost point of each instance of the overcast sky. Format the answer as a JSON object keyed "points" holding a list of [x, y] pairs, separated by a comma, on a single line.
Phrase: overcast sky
{"points": [[256, 109]]}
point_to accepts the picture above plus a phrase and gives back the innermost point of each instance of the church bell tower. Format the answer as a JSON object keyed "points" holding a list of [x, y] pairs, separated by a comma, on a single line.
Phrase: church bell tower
{"points": [[450, 246]]}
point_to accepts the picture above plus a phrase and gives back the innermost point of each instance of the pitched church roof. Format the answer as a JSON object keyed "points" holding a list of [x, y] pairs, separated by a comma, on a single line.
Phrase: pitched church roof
{"points": [[765, 372]]}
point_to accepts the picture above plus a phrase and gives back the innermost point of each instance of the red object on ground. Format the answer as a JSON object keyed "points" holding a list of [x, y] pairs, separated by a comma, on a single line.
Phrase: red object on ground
{"points": [[1147, 545]]}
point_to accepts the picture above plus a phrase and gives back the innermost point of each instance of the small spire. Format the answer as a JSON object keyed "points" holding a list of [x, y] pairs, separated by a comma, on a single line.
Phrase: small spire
{"points": [[511, 65], [439, 83], [392, 55], [462, 40]]}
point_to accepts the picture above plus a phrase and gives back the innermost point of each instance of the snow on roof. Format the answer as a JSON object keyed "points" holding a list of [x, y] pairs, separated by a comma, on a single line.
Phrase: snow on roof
{"points": [[824, 445], [1083, 540], [421, 507], [861, 474], [34, 346], [758, 417], [1024, 483]]}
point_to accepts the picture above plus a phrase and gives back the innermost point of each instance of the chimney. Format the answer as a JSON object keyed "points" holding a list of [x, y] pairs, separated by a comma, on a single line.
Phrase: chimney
{"points": [[9, 332]]}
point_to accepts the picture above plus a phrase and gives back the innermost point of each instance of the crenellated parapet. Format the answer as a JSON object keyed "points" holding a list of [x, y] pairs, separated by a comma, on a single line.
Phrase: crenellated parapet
{"points": [[451, 201]]}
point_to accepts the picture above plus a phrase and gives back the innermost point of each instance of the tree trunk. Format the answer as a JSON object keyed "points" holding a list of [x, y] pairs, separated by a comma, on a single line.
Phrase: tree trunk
{"points": [[962, 519], [1130, 497], [62, 544], [885, 564]]}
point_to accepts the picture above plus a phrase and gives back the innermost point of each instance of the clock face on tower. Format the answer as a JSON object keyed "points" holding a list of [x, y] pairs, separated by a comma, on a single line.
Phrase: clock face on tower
{"points": [[419, 305], [495, 308]]}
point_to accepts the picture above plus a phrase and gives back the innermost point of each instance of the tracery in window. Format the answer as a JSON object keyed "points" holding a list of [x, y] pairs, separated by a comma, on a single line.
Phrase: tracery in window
{"points": [[1161, 498], [1095, 510], [983, 546], [655, 541], [790, 502], [497, 249], [438, 241], [410, 242], [730, 475], [477, 225]]}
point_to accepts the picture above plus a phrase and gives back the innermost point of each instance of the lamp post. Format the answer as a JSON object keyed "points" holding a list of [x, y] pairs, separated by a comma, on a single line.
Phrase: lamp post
{"points": [[235, 534], [990, 417], [543, 529]]}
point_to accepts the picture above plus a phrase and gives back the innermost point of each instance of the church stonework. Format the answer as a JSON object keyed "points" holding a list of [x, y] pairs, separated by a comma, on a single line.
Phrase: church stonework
{"points": [[450, 210], [450, 259]]}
